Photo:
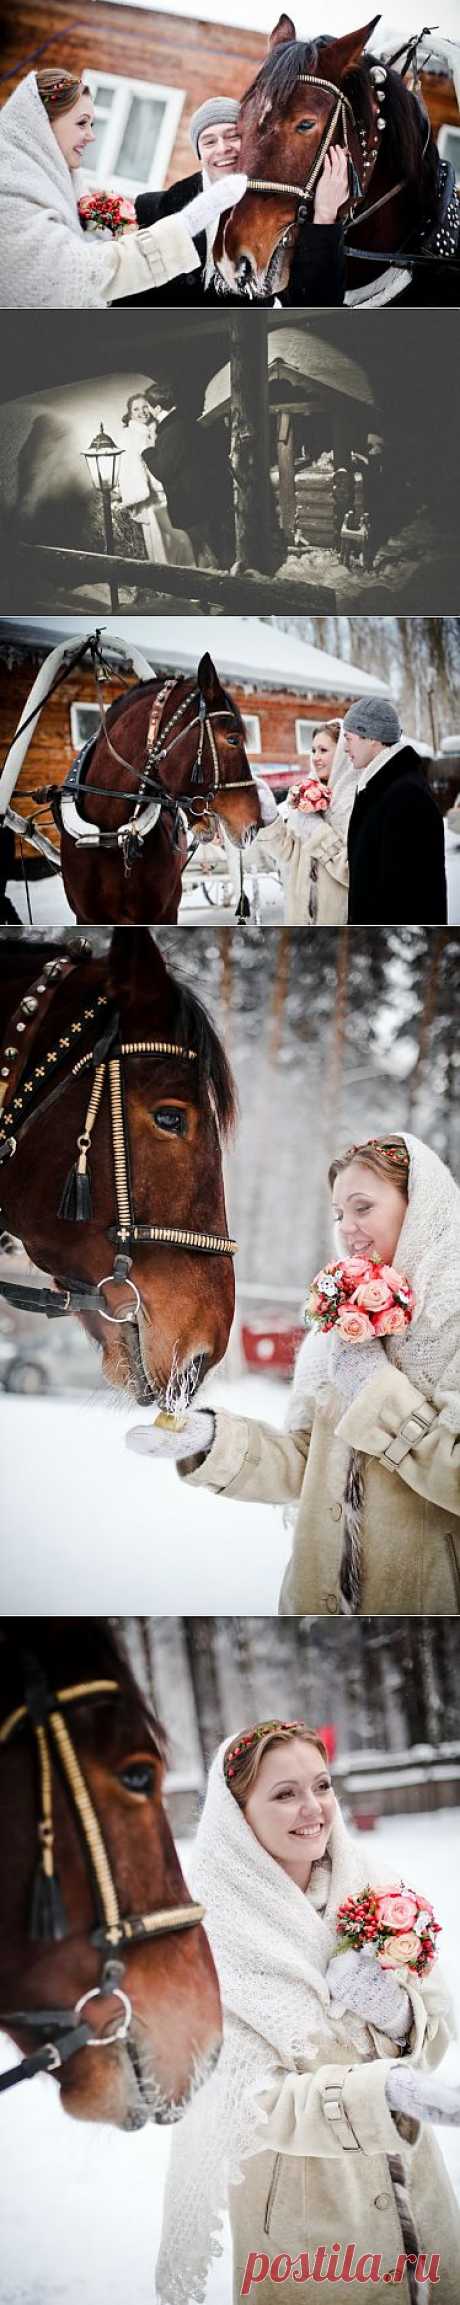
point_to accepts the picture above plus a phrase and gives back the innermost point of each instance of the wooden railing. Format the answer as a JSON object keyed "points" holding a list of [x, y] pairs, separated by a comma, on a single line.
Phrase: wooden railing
{"points": [[55, 566]]}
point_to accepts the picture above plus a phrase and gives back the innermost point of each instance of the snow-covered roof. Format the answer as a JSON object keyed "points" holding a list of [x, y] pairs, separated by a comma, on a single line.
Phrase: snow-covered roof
{"points": [[243, 647], [296, 356], [342, 16]]}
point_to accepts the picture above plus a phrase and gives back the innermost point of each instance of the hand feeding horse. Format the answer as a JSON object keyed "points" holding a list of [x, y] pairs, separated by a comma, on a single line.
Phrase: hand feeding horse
{"points": [[402, 201], [106, 1976], [115, 1094], [170, 756]]}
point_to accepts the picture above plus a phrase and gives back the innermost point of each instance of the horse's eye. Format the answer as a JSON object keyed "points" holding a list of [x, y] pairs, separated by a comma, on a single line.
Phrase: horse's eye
{"points": [[137, 1777], [235, 740], [303, 127], [169, 1118]]}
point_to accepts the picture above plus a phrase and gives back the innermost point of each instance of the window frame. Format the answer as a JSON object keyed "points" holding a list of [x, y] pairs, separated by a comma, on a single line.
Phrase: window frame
{"points": [[252, 744], [125, 88], [449, 128], [82, 704], [304, 722]]}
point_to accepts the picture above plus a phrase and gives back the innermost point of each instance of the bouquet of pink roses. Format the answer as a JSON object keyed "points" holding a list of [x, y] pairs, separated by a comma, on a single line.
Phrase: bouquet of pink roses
{"points": [[395, 1923], [106, 212], [311, 794], [360, 1298]]}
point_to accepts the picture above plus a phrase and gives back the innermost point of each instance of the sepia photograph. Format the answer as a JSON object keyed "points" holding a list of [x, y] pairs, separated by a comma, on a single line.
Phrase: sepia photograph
{"points": [[249, 465]]}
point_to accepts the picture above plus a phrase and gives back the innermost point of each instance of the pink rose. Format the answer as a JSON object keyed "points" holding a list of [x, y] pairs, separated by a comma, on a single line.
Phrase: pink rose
{"points": [[401, 1951], [390, 1323], [373, 1296], [395, 1280], [354, 1325], [397, 1912], [356, 1269]]}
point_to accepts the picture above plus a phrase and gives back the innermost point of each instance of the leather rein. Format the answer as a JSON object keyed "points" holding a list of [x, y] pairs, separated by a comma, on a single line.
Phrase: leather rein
{"points": [[22, 1099], [66, 2030], [154, 797]]}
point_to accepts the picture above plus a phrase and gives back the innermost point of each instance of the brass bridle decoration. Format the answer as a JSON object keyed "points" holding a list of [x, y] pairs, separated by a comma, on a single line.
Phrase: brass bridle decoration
{"points": [[43, 1711]]}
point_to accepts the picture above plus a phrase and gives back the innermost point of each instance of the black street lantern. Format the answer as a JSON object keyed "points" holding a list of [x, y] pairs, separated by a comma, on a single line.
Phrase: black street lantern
{"points": [[103, 461]]}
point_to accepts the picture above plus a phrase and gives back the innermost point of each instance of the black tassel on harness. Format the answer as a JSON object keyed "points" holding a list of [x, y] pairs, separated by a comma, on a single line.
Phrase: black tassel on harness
{"points": [[47, 1920], [76, 1205]]}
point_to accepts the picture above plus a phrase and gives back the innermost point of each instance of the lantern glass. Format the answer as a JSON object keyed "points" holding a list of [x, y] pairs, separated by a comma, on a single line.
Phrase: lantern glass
{"points": [[103, 461]]}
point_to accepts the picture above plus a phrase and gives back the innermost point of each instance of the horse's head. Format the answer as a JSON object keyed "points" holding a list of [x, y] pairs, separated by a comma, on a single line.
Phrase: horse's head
{"points": [[203, 761], [285, 119], [104, 1807], [153, 1165]]}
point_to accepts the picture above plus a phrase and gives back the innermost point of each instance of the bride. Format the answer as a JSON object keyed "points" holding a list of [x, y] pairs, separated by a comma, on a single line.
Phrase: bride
{"points": [[46, 258]]}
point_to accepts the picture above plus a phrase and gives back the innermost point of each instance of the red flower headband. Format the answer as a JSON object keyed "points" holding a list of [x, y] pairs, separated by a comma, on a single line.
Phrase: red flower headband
{"points": [[392, 1146], [251, 1737]]}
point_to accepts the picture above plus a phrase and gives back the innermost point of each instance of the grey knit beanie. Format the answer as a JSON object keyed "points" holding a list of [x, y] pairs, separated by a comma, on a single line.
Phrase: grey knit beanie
{"points": [[210, 115], [376, 718]]}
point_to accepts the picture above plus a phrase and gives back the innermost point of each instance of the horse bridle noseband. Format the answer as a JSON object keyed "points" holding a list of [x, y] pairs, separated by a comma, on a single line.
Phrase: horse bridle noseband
{"points": [[44, 1711], [107, 1056], [303, 192]]}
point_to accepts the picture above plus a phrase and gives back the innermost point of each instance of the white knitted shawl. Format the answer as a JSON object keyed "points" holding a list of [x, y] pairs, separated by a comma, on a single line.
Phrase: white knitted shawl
{"points": [[271, 1945], [309, 824], [45, 257], [428, 1253]]}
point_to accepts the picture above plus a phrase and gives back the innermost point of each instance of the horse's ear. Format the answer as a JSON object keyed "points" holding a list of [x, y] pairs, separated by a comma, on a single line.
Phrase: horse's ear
{"points": [[284, 30], [136, 966], [208, 680], [345, 53]]}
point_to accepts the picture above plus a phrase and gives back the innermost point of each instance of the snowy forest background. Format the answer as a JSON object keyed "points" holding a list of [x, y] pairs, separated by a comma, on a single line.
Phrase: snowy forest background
{"points": [[419, 657]]}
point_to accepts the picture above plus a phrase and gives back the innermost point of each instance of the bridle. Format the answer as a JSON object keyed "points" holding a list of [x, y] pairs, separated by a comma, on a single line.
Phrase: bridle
{"points": [[341, 108], [24, 1095], [154, 796], [44, 1711]]}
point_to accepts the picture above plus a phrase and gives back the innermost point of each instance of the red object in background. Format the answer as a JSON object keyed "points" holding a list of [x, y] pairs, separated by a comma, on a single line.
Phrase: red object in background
{"points": [[272, 1349], [329, 1737]]}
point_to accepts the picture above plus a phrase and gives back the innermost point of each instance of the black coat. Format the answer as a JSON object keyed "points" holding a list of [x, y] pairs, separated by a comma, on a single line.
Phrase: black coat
{"points": [[318, 269], [396, 851], [194, 471]]}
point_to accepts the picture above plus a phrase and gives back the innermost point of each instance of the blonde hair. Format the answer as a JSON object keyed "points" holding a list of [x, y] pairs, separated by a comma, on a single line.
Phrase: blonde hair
{"points": [[386, 1155], [243, 1756], [59, 91]]}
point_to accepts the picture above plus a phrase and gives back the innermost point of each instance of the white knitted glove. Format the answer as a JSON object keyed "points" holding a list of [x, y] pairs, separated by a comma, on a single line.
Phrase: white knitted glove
{"points": [[193, 1439], [422, 2097], [352, 1366], [268, 808], [357, 1981], [209, 205]]}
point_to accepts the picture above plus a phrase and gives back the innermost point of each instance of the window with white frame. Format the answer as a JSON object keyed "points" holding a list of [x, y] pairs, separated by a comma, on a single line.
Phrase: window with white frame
{"points": [[85, 720], [449, 145], [135, 127], [304, 730], [251, 725]]}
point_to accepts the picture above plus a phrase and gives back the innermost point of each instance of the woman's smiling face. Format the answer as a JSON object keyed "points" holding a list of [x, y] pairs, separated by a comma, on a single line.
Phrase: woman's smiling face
{"points": [[369, 1212], [291, 1806], [74, 130]]}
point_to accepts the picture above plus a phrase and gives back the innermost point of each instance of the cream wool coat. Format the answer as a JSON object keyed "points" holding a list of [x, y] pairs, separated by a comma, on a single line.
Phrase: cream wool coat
{"points": [[314, 869], [46, 259], [411, 1512]]}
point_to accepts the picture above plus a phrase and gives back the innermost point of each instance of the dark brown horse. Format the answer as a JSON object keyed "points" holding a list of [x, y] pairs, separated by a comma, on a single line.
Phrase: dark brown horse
{"points": [[131, 1221], [93, 1899], [307, 96], [174, 752]]}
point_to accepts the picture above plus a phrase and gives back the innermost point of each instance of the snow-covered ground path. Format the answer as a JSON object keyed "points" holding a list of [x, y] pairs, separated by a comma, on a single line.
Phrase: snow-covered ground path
{"points": [[85, 1525], [80, 2207], [50, 908]]}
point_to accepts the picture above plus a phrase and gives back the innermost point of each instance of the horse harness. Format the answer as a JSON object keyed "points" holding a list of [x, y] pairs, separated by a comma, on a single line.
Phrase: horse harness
{"points": [[154, 798], [22, 1100], [66, 2030]]}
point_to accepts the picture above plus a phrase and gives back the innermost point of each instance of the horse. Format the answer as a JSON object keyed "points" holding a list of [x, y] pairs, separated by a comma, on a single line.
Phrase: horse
{"points": [[170, 753], [101, 1946], [110, 1064], [306, 97]]}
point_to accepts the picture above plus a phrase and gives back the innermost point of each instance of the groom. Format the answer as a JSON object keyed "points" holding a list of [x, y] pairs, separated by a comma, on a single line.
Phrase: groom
{"points": [[396, 853]]}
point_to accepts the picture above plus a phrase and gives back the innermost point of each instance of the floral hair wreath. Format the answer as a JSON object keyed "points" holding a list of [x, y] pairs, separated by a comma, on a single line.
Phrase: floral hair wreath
{"points": [[394, 1148], [251, 1737]]}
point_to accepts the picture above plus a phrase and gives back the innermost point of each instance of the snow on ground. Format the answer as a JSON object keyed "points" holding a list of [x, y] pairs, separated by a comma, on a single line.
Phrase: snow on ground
{"points": [[86, 1525], [50, 908], [80, 2206]]}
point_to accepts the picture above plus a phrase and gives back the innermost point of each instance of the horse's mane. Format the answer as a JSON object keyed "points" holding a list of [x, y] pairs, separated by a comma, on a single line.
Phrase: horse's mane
{"points": [[70, 1650], [405, 119], [196, 1031]]}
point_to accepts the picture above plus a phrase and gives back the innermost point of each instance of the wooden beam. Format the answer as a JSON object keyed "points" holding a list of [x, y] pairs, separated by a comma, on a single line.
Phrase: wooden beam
{"points": [[250, 442], [210, 589]]}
